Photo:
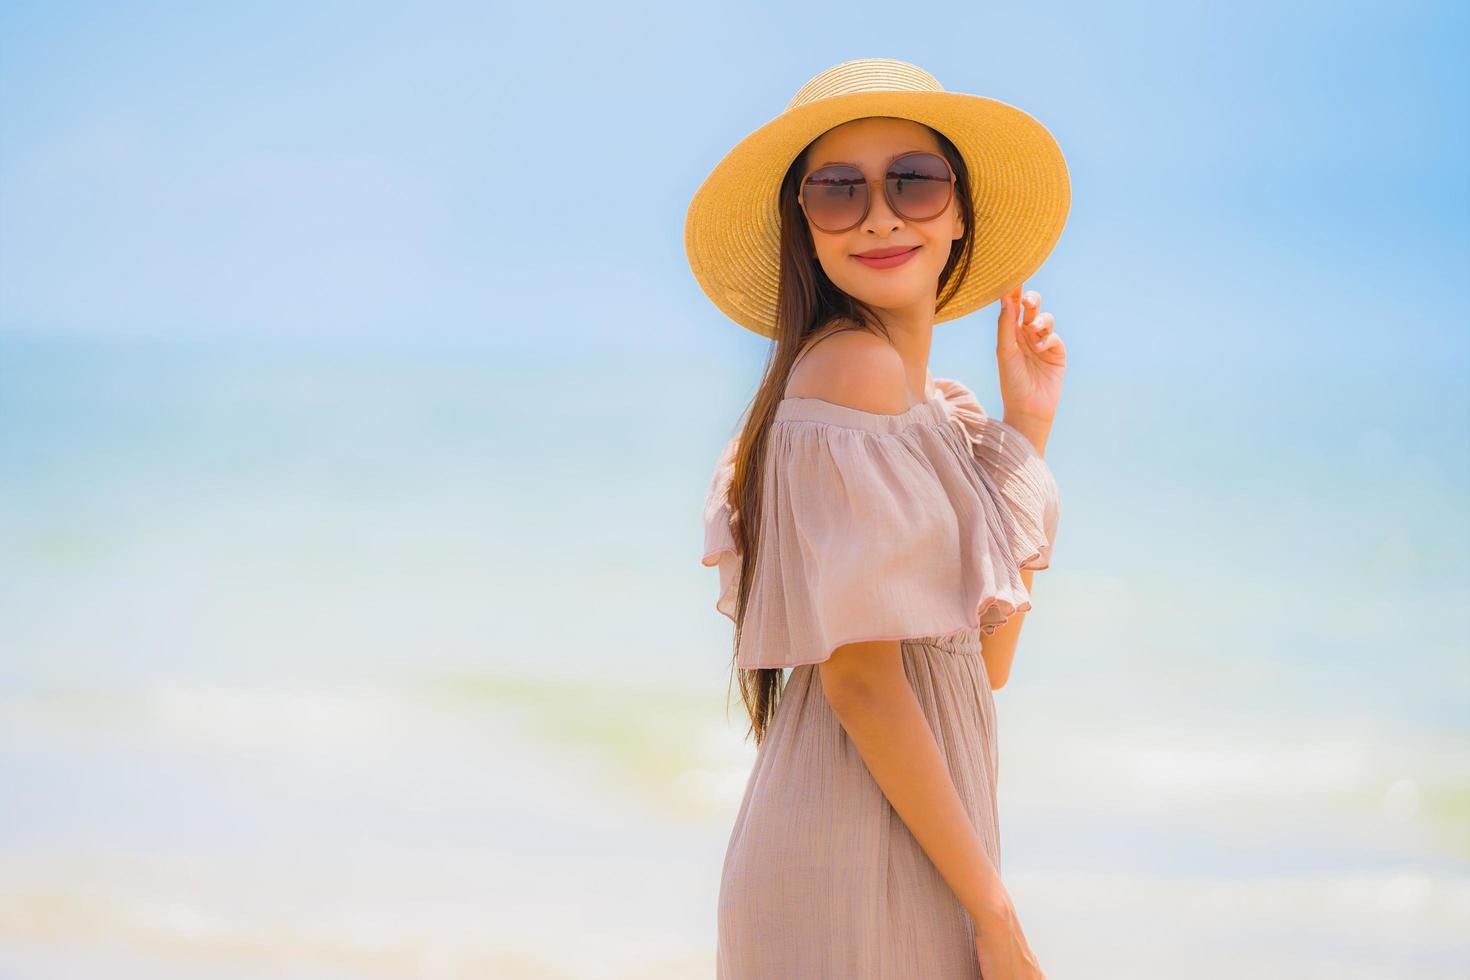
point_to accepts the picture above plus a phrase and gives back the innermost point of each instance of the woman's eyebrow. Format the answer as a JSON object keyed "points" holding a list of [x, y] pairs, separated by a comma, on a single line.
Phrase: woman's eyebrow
{"points": [[828, 163]]}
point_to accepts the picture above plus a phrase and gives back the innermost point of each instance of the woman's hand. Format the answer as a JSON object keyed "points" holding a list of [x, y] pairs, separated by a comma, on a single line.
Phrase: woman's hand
{"points": [[1031, 357], [1000, 945]]}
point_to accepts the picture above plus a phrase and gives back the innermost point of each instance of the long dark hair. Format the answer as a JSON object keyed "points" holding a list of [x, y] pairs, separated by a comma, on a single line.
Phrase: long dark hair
{"points": [[806, 303]]}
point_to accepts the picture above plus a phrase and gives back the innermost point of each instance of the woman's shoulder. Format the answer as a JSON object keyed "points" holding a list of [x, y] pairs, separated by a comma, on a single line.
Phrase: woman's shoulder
{"points": [[851, 367]]}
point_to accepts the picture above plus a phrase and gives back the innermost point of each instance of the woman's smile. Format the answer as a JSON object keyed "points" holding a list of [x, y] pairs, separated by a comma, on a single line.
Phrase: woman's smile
{"points": [[887, 258]]}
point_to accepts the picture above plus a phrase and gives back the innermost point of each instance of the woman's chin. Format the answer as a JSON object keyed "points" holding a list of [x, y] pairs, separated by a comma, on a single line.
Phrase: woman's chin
{"points": [[891, 298]]}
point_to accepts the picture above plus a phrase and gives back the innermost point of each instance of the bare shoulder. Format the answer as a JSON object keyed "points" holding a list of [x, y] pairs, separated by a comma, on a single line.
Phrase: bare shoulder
{"points": [[854, 368]]}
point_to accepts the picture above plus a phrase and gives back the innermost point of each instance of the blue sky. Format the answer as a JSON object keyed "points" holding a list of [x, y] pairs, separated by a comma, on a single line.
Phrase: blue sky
{"points": [[380, 169]]}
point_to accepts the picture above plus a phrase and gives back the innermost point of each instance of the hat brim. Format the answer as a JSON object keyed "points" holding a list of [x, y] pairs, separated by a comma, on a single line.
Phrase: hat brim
{"points": [[1019, 187]]}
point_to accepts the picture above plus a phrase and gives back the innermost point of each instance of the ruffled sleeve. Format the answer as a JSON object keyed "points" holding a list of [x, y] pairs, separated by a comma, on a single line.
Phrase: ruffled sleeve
{"points": [[873, 527], [719, 538], [1018, 474]]}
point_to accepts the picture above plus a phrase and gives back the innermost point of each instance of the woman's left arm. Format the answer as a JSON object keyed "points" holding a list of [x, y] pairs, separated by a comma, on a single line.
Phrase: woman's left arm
{"points": [[1031, 359]]}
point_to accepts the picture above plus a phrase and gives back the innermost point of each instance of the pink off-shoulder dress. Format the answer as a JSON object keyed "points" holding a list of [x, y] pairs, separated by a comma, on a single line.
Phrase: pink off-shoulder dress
{"points": [[912, 527]]}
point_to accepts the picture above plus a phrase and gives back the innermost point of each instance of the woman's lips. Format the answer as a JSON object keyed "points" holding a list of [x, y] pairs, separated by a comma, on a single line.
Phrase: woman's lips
{"points": [[888, 261]]}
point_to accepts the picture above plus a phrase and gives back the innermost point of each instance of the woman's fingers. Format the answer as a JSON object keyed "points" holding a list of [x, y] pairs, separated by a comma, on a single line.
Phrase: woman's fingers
{"points": [[1040, 327], [1030, 303], [1009, 321], [1032, 329], [1051, 349], [1034, 325]]}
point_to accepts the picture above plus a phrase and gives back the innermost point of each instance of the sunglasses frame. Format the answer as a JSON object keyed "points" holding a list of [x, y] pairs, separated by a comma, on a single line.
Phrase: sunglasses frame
{"points": [[868, 190]]}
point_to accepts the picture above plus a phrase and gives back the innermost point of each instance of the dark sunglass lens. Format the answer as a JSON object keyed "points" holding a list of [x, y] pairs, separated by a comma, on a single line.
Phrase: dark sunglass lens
{"points": [[835, 197], [918, 185]]}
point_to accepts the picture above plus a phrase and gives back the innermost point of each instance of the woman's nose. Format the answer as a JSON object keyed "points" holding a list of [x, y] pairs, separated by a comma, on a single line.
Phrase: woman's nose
{"points": [[881, 217]]}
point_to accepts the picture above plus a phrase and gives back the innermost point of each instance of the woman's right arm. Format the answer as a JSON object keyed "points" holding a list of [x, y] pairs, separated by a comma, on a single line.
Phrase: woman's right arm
{"points": [[866, 687]]}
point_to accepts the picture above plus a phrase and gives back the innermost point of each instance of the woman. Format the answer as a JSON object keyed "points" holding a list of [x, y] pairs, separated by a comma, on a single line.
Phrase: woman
{"points": [[875, 530]]}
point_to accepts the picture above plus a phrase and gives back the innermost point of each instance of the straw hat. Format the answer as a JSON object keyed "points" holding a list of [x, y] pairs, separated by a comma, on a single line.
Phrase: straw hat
{"points": [[1018, 179]]}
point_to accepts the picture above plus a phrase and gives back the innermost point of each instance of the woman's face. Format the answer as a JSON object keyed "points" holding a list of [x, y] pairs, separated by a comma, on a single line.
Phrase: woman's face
{"points": [[870, 145]]}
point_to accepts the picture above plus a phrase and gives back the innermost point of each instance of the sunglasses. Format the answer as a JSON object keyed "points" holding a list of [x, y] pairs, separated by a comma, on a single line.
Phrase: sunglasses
{"points": [[918, 187]]}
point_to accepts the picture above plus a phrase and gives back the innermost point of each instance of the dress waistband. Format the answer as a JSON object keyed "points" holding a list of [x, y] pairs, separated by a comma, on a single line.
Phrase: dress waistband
{"points": [[964, 642]]}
